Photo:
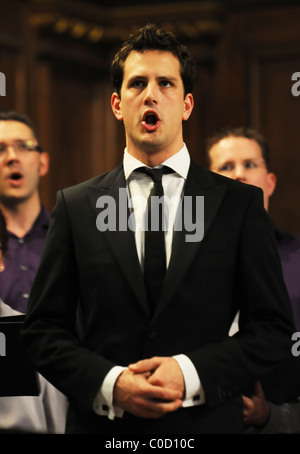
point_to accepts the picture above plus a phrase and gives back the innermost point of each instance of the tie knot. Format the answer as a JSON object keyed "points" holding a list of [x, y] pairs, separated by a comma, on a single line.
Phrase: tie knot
{"points": [[155, 174]]}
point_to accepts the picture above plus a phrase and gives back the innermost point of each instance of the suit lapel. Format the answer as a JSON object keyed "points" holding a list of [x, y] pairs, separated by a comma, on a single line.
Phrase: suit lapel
{"points": [[121, 242], [199, 183]]}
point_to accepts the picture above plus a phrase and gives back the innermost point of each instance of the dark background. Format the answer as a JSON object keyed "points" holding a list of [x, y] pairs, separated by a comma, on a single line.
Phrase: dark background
{"points": [[56, 54]]}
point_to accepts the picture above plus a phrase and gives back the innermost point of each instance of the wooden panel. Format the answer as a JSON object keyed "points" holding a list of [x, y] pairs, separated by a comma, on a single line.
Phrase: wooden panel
{"points": [[76, 124], [259, 52], [12, 53], [276, 112], [11, 65]]}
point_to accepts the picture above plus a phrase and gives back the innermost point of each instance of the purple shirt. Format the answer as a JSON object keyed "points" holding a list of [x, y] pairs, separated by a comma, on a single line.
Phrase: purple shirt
{"points": [[21, 263], [289, 251]]}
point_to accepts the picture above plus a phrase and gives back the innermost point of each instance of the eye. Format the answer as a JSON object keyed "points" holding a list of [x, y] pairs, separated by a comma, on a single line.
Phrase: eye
{"points": [[2, 147], [138, 83], [166, 83], [24, 146], [250, 165], [227, 167]]}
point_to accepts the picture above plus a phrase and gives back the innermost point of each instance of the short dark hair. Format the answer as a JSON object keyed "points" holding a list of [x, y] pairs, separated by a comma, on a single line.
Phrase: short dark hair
{"points": [[3, 234], [247, 133], [13, 115], [147, 38]]}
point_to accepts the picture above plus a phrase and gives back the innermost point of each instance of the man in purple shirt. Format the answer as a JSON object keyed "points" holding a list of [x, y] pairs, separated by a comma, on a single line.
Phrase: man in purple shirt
{"points": [[22, 163], [243, 154]]}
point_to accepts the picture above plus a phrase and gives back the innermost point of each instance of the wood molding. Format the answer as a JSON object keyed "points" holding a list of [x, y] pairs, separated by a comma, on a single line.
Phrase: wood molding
{"points": [[94, 25]]}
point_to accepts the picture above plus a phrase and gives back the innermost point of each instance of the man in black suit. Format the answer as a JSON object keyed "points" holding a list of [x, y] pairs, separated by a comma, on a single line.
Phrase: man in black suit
{"points": [[171, 367]]}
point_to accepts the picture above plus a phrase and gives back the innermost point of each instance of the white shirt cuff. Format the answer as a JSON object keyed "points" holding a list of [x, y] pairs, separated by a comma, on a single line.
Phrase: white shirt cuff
{"points": [[194, 392], [103, 403]]}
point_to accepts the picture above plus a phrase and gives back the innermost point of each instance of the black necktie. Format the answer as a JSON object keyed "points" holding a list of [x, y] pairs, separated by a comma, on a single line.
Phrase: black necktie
{"points": [[155, 251]]}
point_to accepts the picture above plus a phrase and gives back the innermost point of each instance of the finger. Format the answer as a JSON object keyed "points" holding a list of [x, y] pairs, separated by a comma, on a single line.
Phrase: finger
{"points": [[166, 407], [154, 409], [145, 365], [248, 404], [258, 391], [168, 377], [160, 393]]}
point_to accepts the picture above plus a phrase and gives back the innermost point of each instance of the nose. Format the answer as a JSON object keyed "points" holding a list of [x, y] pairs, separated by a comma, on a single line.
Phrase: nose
{"points": [[239, 173], [150, 95], [11, 154]]}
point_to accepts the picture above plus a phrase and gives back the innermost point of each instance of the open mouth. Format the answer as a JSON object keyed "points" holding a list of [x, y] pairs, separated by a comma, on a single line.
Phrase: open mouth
{"points": [[15, 176], [151, 121]]}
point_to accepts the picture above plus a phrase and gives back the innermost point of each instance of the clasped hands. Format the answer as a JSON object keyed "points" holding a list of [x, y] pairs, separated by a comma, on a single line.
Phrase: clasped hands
{"points": [[153, 387], [150, 388]]}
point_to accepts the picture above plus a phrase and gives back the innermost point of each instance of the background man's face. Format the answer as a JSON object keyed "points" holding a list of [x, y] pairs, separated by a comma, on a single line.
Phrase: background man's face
{"points": [[241, 159], [19, 172]]}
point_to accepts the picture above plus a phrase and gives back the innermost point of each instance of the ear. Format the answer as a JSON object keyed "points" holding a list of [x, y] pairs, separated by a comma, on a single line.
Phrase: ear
{"points": [[44, 163], [188, 106], [272, 181], [116, 106]]}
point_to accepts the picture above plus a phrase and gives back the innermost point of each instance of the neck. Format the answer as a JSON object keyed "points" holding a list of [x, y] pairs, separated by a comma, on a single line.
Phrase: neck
{"points": [[152, 159], [20, 217]]}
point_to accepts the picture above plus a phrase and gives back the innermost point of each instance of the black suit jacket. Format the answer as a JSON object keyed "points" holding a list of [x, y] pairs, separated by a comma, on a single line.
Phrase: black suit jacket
{"points": [[235, 267]]}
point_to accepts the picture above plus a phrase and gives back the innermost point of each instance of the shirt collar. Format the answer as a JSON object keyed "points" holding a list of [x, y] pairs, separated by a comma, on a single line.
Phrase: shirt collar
{"points": [[179, 162]]}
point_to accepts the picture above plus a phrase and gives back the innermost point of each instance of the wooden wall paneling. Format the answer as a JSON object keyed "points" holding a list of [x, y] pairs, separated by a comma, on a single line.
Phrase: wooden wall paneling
{"points": [[12, 53], [229, 95], [72, 103], [76, 125], [70, 97], [41, 93], [276, 113], [11, 64], [259, 52], [273, 39], [196, 129], [105, 152]]}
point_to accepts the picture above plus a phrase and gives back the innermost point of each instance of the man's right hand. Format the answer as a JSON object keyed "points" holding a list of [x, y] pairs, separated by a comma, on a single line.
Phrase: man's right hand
{"points": [[134, 394]]}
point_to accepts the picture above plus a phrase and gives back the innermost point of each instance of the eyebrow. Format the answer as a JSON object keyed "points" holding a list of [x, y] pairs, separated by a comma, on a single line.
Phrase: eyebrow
{"points": [[19, 140], [244, 161], [225, 163], [144, 77]]}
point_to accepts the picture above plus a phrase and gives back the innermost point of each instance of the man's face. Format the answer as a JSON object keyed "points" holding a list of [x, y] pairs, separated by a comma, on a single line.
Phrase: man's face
{"points": [[152, 104], [20, 172], [240, 158]]}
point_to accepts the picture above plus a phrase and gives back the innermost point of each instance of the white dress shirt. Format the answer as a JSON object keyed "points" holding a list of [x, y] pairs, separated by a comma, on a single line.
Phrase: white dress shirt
{"points": [[139, 186]]}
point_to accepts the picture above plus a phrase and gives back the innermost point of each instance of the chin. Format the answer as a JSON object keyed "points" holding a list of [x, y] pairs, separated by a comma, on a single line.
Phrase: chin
{"points": [[153, 144]]}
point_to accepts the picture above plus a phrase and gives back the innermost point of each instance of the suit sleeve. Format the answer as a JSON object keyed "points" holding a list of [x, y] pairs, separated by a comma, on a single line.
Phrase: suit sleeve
{"points": [[264, 339], [49, 332]]}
